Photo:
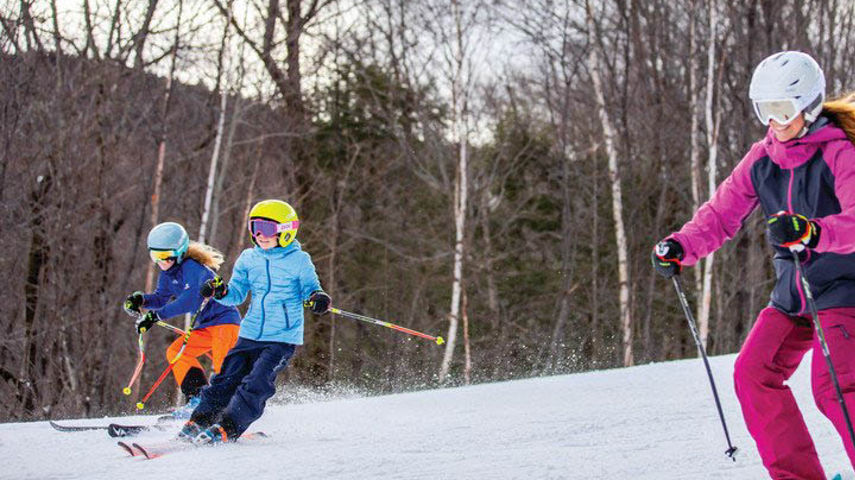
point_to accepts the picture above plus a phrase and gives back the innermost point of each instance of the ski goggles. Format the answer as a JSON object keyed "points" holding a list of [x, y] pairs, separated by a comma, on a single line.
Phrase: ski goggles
{"points": [[269, 228], [783, 111], [162, 255]]}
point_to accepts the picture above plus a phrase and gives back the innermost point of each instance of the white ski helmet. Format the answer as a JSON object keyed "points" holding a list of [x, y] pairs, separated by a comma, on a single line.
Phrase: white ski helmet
{"points": [[785, 84], [168, 240]]}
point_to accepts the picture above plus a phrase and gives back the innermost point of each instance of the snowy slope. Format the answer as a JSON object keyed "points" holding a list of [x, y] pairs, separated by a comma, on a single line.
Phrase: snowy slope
{"points": [[654, 421]]}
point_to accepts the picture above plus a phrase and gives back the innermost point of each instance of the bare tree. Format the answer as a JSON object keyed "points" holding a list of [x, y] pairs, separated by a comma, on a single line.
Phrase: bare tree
{"points": [[161, 143], [617, 193], [223, 80], [712, 116], [460, 76]]}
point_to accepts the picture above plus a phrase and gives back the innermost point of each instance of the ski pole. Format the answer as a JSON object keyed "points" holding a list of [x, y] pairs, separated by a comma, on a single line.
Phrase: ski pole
{"points": [[731, 450], [141, 357], [141, 403], [138, 368], [375, 321], [170, 327], [174, 329], [821, 335]]}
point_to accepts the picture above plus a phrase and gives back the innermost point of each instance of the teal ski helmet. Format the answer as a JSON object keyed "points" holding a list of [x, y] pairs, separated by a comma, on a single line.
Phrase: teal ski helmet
{"points": [[168, 240]]}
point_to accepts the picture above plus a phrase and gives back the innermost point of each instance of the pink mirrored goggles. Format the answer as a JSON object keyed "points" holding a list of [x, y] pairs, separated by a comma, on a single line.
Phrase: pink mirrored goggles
{"points": [[269, 228]]}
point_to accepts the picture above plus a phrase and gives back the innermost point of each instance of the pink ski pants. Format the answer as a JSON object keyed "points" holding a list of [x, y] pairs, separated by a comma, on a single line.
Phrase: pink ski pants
{"points": [[774, 348]]}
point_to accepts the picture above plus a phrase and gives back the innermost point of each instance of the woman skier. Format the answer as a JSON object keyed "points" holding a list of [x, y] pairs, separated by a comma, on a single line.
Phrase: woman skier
{"points": [[802, 174]]}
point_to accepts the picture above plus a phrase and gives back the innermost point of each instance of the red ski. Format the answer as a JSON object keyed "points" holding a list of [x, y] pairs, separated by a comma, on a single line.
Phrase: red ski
{"points": [[154, 450]]}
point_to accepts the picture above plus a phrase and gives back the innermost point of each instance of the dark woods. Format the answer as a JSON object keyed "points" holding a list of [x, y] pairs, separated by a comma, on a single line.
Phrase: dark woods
{"points": [[347, 111]]}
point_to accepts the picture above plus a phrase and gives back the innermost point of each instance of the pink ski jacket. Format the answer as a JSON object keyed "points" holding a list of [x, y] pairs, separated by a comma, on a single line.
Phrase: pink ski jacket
{"points": [[813, 176]]}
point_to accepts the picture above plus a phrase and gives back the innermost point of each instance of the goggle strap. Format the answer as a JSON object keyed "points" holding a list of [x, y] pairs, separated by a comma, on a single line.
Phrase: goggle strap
{"points": [[816, 101], [284, 227]]}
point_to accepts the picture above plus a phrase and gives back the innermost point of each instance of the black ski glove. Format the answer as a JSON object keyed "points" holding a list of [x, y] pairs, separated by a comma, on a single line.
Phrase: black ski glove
{"points": [[146, 321], [666, 257], [214, 287], [133, 304], [319, 302], [787, 230]]}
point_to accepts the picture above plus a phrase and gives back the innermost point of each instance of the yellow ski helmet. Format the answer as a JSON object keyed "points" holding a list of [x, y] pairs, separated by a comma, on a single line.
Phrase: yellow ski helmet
{"points": [[273, 217]]}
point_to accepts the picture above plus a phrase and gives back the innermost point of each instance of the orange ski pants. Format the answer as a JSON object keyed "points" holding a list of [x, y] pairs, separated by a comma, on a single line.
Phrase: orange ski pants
{"points": [[217, 339]]}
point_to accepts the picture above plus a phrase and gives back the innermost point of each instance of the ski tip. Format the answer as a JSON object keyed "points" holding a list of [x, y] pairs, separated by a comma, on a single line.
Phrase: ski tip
{"points": [[145, 452], [252, 435], [127, 448]]}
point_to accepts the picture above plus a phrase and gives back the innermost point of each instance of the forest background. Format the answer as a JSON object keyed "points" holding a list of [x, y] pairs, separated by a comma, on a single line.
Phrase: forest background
{"points": [[494, 172]]}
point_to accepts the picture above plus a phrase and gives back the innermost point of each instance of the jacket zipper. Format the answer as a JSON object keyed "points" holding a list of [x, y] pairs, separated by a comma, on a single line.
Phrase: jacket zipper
{"points": [[261, 329], [796, 275]]}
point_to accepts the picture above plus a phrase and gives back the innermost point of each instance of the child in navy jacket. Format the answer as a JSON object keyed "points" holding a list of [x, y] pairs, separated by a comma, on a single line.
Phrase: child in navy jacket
{"points": [[185, 266]]}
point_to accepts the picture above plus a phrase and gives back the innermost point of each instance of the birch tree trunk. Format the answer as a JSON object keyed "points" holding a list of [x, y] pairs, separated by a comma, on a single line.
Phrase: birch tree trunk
{"points": [[161, 149], [695, 141], [237, 114], [712, 140], [218, 140], [617, 195], [460, 134], [467, 365], [694, 145], [212, 171]]}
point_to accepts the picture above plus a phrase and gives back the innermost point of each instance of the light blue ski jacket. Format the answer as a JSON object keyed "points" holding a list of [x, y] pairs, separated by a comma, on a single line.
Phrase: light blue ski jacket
{"points": [[280, 279]]}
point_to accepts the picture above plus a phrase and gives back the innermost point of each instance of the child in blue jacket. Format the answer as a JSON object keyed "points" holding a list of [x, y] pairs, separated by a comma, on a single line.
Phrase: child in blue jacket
{"points": [[282, 279]]}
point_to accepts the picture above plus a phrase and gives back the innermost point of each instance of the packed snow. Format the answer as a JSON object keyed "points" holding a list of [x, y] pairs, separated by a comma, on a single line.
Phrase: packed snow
{"points": [[655, 421]]}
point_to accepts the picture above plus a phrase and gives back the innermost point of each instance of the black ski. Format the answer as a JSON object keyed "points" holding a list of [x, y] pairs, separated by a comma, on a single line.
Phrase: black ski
{"points": [[113, 429], [116, 430], [75, 428]]}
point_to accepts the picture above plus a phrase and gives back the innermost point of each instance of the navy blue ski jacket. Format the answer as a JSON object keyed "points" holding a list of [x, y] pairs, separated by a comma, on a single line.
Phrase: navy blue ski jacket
{"points": [[177, 293]]}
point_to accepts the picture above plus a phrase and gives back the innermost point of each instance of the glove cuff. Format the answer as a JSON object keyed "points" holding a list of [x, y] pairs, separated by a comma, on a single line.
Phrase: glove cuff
{"points": [[815, 231]]}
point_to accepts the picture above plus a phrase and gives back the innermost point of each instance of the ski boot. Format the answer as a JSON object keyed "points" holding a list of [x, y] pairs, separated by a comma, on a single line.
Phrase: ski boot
{"points": [[184, 412], [189, 431], [213, 435]]}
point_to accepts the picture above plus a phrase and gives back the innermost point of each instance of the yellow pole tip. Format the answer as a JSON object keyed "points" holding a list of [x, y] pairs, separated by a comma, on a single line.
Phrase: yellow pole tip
{"points": [[126, 390], [439, 341], [140, 406]]}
